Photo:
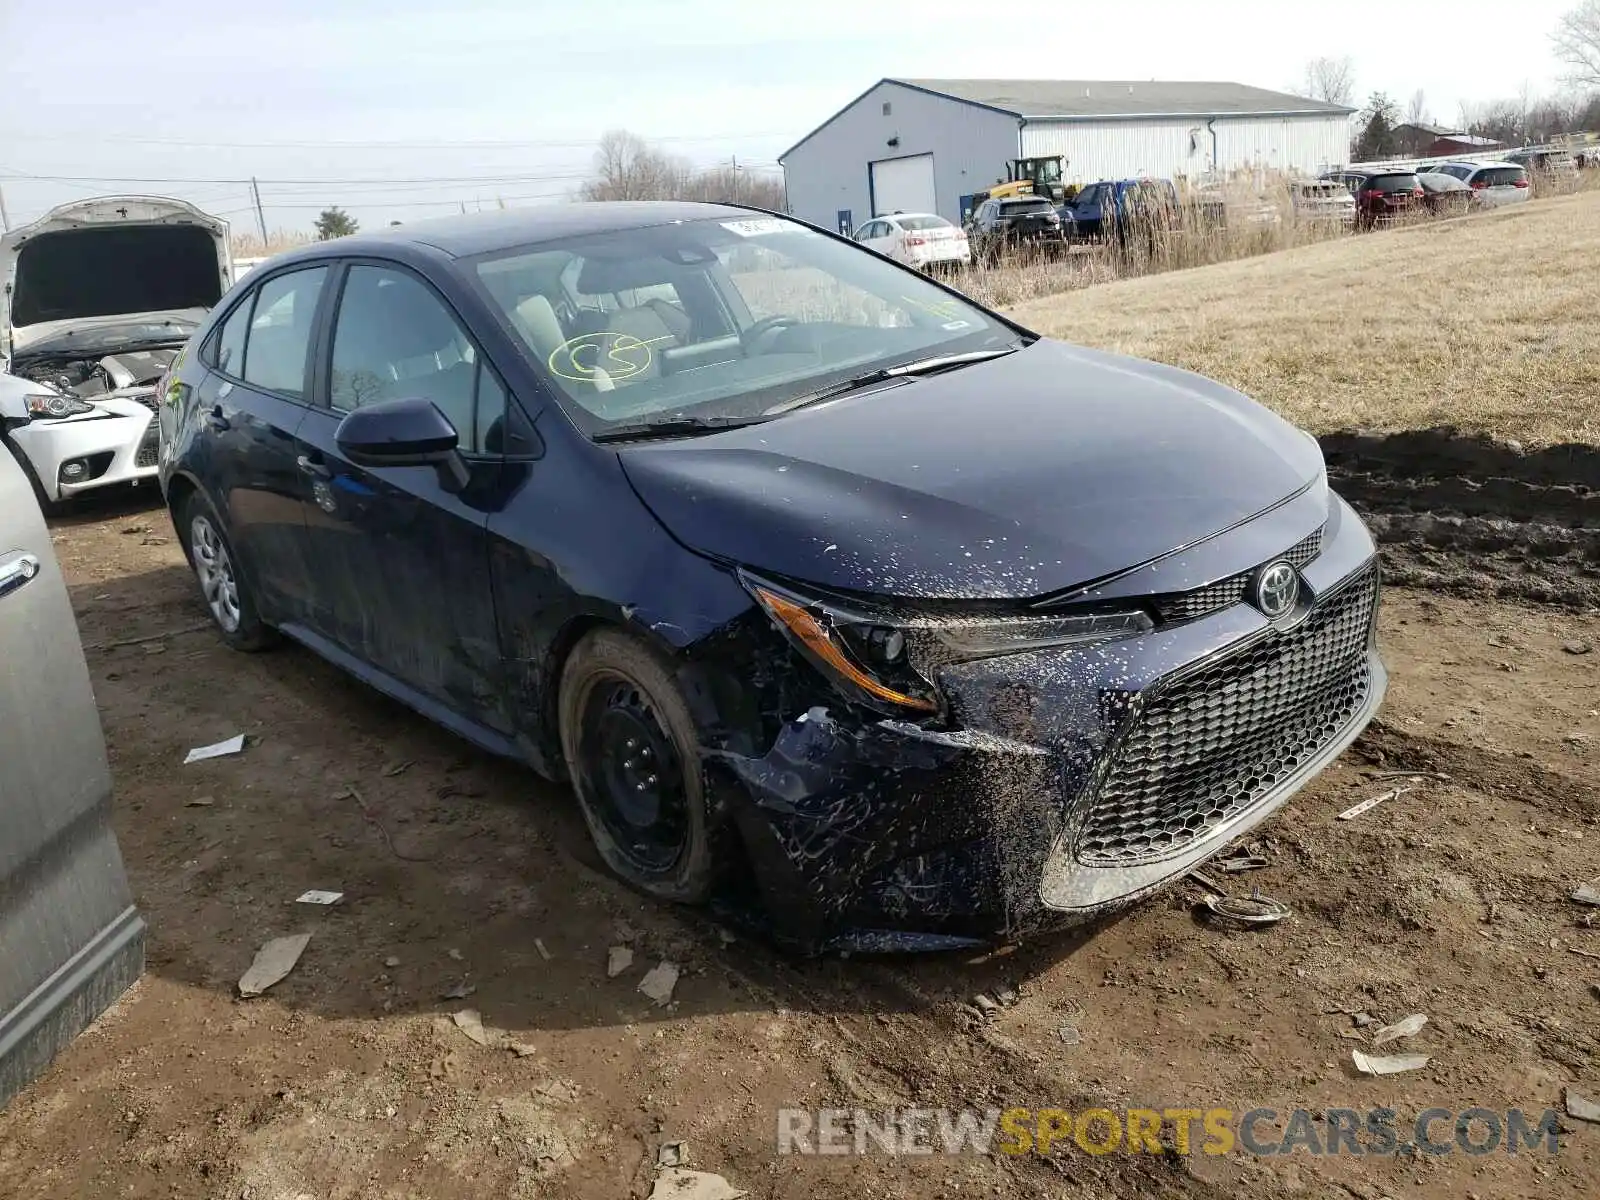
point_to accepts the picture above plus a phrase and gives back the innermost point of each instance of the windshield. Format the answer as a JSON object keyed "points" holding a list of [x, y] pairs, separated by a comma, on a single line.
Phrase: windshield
{"points": [[718, 319], [113, 337], [1013, 207]]}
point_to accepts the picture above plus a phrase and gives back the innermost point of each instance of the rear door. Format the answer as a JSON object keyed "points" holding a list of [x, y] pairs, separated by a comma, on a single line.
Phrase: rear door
{"points": [[254, 397], [400, 564], [70, 939]]}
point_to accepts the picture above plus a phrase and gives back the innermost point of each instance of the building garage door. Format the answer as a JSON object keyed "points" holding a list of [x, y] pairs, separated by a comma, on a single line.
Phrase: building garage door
{"points": [[903, 185]]}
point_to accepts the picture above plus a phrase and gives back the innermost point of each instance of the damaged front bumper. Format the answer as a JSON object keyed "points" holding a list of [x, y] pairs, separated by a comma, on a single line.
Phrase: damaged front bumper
{"points": [[1075, 781]]}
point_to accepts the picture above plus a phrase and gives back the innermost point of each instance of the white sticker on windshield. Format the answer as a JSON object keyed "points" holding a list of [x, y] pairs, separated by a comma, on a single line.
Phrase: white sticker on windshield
{"points": [[956, 325], [754, 227]]}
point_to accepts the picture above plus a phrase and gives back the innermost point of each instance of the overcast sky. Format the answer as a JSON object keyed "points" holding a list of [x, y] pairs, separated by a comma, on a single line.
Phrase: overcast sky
{"points": [[336, 101]]}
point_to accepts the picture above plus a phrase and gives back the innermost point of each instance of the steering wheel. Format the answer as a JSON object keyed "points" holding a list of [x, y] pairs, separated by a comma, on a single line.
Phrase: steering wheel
{"points": [[751, 335]]}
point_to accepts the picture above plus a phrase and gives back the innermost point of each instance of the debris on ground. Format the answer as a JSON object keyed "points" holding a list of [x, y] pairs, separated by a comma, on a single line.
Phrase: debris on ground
{"points": [[1378, 1064], [618, 960], [398, 768], [985, 1006], [1408, 1027], [1351, 814], [1254, 909], [459, 991], [200, 802], [392, 961], [1069, 1035], [1583, 1110], [1587, 894], [453, 953], [319, 897], [1362, 1019], [672, 1154], [1376, 775], [659, 981], [471, 1023], [544, 953], [1243, 861], [1576, 647], [675, 1183], [272, 963], [1210, 884], [1006, 996], [232, 745], [521, 1049]]}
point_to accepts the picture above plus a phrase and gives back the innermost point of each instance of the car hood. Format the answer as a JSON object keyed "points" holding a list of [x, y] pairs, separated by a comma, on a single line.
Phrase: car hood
{"points": [[1018, 477], [97, 260]]}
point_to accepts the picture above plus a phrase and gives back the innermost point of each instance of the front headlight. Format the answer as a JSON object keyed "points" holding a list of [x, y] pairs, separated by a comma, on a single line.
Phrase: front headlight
{"points": [[890, 660], [54, 404]]}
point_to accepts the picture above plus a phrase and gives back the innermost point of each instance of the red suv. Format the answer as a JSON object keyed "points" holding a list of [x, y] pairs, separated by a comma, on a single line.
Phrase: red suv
{"points": [[1381, 196]]}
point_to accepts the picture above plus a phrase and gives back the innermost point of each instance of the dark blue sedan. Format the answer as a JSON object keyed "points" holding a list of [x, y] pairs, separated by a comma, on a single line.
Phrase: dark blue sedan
{"points": [[841, 601]]}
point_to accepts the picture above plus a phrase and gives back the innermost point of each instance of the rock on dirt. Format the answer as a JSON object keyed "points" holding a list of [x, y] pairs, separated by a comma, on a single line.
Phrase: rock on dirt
{"points": [[675, 1183], [659, 981]]}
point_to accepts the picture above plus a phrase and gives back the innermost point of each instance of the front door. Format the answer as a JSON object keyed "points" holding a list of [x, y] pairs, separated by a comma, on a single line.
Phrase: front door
{"points": [[401, 561]]}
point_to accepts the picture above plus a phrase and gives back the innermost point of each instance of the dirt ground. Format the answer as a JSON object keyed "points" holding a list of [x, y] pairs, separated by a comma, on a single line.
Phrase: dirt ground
{"points": [[348, 1079]]}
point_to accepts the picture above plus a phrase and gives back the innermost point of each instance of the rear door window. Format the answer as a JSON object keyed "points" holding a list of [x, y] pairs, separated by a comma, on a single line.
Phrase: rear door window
{"points": [[280, 331]]}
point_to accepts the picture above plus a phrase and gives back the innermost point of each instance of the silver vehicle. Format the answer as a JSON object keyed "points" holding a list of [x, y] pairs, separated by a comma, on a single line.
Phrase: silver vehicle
{"points": [[71, 941], [96, 299], [1493, 184], [1323, 201]]}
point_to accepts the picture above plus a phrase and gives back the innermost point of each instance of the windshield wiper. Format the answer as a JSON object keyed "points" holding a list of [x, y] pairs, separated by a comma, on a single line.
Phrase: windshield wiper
{"points": [[921, 366], [671, 427]]}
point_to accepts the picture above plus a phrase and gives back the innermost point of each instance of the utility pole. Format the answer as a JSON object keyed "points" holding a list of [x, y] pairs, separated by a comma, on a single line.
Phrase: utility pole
{"points": [[5, 221], [736, 179], [261, 220]]}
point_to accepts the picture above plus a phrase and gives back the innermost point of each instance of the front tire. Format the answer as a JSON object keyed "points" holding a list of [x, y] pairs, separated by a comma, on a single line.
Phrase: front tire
{"points": [[226, 595], [634, 759]]}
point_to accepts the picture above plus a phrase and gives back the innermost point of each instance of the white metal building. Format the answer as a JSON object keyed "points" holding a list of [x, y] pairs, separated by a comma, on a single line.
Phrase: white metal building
{"points": [[924, 145]]}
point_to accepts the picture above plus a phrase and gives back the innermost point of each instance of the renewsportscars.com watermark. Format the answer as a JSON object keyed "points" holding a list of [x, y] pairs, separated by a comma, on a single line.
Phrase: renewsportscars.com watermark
{"points": [[1264, 1132]]}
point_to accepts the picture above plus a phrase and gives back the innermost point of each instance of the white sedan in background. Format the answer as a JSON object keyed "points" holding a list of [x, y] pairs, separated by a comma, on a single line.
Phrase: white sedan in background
{"points": [[1493, 184], [920, 240]]}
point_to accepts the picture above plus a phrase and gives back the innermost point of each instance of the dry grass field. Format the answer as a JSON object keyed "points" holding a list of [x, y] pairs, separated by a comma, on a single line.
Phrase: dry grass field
{"points": [[1489, 323], [466, 877]]}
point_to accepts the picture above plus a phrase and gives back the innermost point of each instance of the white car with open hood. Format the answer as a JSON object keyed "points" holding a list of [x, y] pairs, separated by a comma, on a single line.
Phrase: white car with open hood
{"points": [[97, 298]]}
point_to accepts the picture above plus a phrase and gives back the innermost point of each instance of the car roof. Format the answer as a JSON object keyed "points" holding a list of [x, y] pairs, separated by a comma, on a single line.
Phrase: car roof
{"points": [[479, 233], [895, 216]]}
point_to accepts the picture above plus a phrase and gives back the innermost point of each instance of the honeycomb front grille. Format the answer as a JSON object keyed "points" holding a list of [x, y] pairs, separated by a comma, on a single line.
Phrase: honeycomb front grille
{"points": [[1187, 606], [1212, 744]]}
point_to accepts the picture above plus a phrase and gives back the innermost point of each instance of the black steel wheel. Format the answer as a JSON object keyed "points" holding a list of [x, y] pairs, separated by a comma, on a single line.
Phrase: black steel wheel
{"points": [[634, 761]]}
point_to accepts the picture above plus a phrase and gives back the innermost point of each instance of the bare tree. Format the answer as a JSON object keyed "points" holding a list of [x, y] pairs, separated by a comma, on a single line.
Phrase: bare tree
{"points": [[626, 167], [1417, 109], [1334, 79], [1577, 43]]}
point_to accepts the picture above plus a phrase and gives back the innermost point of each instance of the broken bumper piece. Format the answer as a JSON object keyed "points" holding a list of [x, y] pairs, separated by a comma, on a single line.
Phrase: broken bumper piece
{"points": [[1074, 783]]}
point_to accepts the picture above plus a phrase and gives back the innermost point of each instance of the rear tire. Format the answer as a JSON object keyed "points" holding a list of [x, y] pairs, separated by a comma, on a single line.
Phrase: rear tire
{"points": [[633, 757], [225, 593]]}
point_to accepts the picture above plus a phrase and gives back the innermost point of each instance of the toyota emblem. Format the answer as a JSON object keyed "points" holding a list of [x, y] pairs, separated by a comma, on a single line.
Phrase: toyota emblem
{"points": [[1277, 587]]}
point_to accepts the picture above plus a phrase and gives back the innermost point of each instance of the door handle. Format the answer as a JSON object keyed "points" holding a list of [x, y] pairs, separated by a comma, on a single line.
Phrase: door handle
{"points": [[313, 467], [16, 573], [215, 417]]}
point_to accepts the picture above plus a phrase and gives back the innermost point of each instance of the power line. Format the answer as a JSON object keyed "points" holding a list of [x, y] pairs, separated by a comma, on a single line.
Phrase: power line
{"points": [[533, 143]]}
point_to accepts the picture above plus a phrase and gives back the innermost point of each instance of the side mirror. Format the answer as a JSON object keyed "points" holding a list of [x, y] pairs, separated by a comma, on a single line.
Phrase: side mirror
{"points": [[404, 433]]}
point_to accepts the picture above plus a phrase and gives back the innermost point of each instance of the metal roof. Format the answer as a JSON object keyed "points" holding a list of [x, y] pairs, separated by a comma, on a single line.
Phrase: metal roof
{"points": [[1089, 98]]}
